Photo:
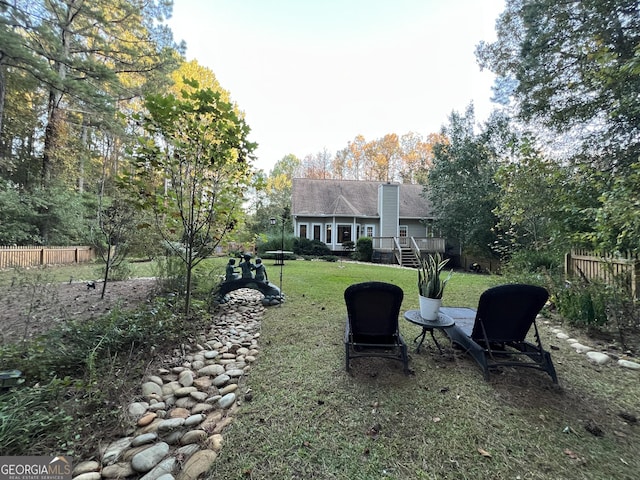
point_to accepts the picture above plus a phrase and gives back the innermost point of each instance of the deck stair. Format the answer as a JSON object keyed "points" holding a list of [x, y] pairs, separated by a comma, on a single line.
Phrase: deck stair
{"points": [[408, 258]]}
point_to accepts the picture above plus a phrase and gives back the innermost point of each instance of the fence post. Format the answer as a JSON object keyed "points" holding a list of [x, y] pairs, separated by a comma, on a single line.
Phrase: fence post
{"points": [[567, 265], [635, 280]]}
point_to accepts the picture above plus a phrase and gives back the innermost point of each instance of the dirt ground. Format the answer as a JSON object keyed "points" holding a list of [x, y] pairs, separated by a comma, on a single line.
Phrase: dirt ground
{"points": [[28, 310]]}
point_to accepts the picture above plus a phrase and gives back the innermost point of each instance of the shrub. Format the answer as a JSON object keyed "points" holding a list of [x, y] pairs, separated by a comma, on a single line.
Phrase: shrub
{"points": [[583, 304], [534, 261], [304, 246], [364, 249]]}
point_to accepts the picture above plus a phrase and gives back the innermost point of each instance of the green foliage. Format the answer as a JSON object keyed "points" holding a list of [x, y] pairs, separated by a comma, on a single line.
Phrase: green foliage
{"points": [[364, 249], [305, 246], [584, 305], [524, 261], [461, 185], [191, 169], [33, 416], [276, 242], [430, 281], [17, 217], [591, 96]]}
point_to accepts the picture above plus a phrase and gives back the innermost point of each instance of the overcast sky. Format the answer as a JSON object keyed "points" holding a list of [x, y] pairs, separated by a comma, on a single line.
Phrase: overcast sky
{"points": [[313, 74]]}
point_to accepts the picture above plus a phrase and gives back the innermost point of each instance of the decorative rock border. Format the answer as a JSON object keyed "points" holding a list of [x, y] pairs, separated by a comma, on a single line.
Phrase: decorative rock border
{"points": [[183, 410], [592, 355]]}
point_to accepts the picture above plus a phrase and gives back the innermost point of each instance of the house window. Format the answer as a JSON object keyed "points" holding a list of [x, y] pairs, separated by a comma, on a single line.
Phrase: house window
{"points": [[316, 232], [344, 233], [369, 231], [328, 236], [303, 231], [430, 230]]}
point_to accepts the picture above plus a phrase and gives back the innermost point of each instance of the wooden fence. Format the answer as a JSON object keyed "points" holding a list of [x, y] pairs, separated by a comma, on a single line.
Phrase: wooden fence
{"points": [[11, 257], [607, 268]]}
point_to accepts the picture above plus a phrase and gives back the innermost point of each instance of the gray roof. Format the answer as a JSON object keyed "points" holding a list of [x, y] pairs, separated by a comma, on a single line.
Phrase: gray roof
{"points": [[352, 198]]}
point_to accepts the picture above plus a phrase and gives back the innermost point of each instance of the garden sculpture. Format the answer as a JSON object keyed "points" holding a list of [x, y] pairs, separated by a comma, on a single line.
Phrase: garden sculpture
{"points": [[261, 272], [231, 271]]}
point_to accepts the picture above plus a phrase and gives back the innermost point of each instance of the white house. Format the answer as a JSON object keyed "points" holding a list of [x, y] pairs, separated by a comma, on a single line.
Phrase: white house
{"points": [[395, 215]]}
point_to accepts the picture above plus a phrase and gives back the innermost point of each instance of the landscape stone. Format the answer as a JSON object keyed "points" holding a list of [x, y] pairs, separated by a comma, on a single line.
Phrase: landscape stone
{"points": [[85, 467], [157, 406], [170, 387], [185, 402], [193, 436], [137, 408], [187, 450], [150, 389], [194, 420], [213, 370], [150, 457], [184, 391], [118, 470], [186, 378], [598, 358], [202, 383], [220, 380], [114, 451], [629, 364], [147, 419], [578, 347], [227, 400], [166, 466], [198, 463], [88, 476], [214, 442], [170, 424], [232, 387], [179, 413], [143, 439]]}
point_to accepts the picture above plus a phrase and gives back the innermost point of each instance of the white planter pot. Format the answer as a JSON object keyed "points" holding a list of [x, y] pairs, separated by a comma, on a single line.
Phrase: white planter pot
{"points": [[429, 307]]}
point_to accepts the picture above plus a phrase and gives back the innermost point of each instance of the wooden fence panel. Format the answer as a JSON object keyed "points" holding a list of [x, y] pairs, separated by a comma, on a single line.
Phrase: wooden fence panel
{"points": [[607, 268], [26, 256]]}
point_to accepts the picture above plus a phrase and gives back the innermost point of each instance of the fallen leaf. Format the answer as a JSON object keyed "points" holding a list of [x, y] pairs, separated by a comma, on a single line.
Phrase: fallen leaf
{"points": [[483, 452], [571, 454]]}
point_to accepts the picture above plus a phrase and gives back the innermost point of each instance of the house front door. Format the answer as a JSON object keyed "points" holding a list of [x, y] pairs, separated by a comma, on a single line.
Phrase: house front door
{"points": [[404, 239]]}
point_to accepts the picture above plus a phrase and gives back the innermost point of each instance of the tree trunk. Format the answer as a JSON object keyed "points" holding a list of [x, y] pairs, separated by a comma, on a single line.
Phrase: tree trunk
{"points": [[3, 89]]}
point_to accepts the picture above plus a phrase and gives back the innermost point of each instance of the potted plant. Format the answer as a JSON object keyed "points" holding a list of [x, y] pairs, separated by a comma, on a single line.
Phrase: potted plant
{"points": [[431, 284]]}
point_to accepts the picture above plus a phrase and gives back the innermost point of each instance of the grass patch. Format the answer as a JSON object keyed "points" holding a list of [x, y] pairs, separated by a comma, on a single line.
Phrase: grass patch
{"points": [[310, 419]]}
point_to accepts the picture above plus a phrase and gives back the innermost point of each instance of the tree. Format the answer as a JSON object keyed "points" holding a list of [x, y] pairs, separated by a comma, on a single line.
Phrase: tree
{"points": [[531, 189], [461, 185], [192, 168], [116, 223], [573, 66], [87, 56]]}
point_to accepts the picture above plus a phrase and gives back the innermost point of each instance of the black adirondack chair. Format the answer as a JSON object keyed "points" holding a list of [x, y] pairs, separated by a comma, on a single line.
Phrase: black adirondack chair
{"points": [[372, 322], [497, 334]]}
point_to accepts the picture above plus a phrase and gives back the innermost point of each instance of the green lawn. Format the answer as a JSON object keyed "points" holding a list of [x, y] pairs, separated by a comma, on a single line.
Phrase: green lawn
{"points": [[310, 419]]}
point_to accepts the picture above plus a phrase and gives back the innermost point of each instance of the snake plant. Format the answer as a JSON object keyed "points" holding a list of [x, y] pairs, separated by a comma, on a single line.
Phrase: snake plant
{"points": [[430, 281]]}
